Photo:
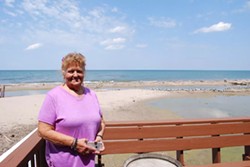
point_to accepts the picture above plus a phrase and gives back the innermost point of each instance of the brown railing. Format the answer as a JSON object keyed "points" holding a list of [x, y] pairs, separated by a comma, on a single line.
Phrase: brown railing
{"points": [[2, 91], [179, 136], [31, 151]]}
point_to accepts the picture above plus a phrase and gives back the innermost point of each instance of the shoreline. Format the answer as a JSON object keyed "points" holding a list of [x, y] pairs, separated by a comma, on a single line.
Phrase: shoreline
{"points": [[245, 83]]}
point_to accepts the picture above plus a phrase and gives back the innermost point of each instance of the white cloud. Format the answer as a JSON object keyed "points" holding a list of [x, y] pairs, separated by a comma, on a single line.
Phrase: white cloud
{"points": [[113, 41], [64, 11], [118, 29], [98, 12], [9, 2], [113, 44], [221, 26], [119, 40], [162, 22], [34, 46], [69, 17], [10, 13], [114, 47], [244, 8]]}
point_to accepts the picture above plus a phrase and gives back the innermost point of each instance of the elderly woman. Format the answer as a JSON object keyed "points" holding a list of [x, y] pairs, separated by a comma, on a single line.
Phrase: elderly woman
{"points": [[70, 118]]}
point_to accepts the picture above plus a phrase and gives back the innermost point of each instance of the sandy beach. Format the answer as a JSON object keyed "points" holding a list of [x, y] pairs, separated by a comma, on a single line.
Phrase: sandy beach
{"points": [[120, 101]]}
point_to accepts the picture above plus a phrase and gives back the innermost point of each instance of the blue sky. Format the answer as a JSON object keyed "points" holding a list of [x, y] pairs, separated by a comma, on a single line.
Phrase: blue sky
{"points": [[126, 34]]}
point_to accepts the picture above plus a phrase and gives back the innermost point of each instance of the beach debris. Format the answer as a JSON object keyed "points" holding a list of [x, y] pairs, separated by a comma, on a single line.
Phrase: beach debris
{"points": [[5, 137], [241, 83]]}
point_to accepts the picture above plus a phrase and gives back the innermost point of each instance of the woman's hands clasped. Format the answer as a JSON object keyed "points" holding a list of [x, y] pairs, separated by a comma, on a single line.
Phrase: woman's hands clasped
{"points": [[84, 148]]}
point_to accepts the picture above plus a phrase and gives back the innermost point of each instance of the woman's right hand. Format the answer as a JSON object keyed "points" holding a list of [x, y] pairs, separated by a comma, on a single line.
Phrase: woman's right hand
{"points": [[83, 148]]}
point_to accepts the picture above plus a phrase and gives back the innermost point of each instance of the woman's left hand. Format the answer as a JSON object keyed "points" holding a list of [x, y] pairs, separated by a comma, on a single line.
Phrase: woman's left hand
{"points": [[99, 139]]}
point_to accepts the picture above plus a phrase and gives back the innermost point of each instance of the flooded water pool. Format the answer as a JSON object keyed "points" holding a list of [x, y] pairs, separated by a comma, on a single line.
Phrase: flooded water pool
{"points": [[205, 107]]}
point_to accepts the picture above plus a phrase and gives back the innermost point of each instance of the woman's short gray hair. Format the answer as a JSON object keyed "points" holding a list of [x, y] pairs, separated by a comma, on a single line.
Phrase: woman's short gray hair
{"points": [[73, 59]]}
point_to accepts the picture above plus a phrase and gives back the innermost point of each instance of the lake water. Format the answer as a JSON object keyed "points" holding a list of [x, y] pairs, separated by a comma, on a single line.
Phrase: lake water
{"points": [[51, 76], [206, 107]]}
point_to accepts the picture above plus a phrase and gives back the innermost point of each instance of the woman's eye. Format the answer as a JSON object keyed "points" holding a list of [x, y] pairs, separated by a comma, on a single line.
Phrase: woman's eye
{"points": [[79, 71], [73, 71], [70, 71]]}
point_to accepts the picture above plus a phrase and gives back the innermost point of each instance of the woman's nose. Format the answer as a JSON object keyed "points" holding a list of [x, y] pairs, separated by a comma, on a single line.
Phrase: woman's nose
{"points": [[75, 73]]}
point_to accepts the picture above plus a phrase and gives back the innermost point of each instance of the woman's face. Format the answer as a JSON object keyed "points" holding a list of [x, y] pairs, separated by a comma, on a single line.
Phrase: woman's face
{"points": [[74, 76]]}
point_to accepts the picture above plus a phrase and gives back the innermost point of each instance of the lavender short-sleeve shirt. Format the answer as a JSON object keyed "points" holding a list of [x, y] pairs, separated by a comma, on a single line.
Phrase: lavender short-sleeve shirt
{"points": [[79, 117]]}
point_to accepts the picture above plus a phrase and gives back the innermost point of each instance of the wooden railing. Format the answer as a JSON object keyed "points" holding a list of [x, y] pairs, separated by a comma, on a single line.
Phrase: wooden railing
{"points": [[28, 152], [178, 135], [2, 91], [152, 136]]}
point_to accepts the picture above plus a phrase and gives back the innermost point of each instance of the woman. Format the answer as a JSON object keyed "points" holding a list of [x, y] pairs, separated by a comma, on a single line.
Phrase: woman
{"points": [[70, 117]]}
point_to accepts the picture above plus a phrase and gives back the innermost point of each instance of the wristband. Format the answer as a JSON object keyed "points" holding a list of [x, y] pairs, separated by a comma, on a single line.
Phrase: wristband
{"points": [[100, 136], [74, 144]]}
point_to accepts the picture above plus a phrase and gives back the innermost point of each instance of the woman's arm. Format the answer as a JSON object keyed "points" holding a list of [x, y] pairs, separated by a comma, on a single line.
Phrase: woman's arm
{"points": [[48, 132], [99, 135]]}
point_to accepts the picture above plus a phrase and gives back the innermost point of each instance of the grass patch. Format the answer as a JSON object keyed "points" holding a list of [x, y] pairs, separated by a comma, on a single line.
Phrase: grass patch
{"points": [[232, 154], [192, 157]]}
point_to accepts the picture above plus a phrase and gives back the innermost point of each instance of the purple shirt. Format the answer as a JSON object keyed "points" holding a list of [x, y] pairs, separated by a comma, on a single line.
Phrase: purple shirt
{"points": [[79, 117]]}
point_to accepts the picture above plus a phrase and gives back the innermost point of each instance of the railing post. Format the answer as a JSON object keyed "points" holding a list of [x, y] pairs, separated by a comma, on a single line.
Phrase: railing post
{"points": [[216, 155], [246, 156], [180, 153], [216, 152], [180, 156], [41, 161], [2, 91]]}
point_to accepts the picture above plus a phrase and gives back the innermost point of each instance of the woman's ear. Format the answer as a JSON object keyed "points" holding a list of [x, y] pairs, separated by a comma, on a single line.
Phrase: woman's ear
{"points": [[63, 73]]}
